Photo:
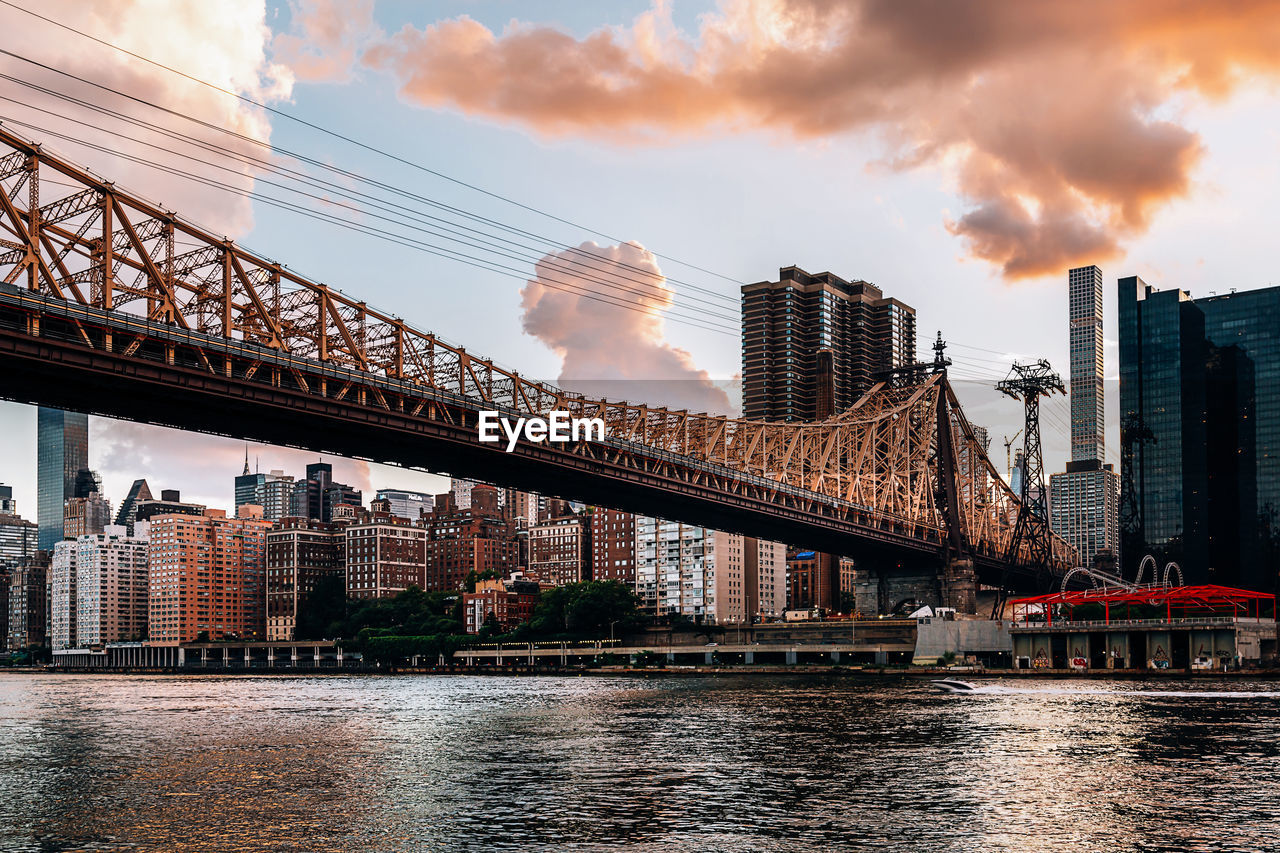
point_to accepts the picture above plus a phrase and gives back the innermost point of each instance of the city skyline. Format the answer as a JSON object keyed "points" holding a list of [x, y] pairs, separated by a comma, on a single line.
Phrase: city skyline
{"points": [[887, 225], [635, 425]]}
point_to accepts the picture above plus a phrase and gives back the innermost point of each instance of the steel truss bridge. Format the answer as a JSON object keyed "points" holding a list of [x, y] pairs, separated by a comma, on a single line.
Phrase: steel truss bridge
{"points": [[100, 312]]}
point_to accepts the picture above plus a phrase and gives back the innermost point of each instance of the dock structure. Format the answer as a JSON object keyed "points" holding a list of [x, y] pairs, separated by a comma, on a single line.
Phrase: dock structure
{"points": [[317, 654], [1150, 627]]}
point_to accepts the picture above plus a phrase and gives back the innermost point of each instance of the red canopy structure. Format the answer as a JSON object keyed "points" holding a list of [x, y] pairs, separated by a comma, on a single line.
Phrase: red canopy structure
{"points": [[1185, 601]]}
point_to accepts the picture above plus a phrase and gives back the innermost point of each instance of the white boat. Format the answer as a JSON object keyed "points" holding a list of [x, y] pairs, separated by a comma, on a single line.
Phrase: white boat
{"points": [[953, 685]]}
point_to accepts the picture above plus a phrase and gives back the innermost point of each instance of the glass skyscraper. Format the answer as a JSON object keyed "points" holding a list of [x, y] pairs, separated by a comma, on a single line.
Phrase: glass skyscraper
{"points": [[62, 451], [1083, 500], [1200, 432]]}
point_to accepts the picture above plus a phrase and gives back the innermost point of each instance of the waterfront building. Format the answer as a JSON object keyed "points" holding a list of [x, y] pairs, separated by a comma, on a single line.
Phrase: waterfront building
{"points": [[807, 337], [206, 576], [5, 573], [385, 555], [1200, 432], [62, 451], [613, 546], [770, 581], [62, 595], [112, 586], [502, 602], [300, 553], [560, 549], [1205, 627], [29, 601], [83, 516], [802, 565], [707, 575], [1084, 501], [127, 513], [477, 539], [8, 506], [406, 504]]}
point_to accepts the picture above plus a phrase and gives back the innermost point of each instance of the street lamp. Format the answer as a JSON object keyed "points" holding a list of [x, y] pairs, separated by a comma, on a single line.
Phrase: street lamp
{"points": [[611, 624]]}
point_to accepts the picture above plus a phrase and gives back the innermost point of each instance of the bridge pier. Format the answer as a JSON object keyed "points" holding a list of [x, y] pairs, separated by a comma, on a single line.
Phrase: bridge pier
{"points": [[880, 589], [960, 586]]}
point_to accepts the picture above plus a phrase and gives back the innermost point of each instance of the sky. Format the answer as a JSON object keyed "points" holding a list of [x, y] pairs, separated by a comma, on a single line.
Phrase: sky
{"points": [[961, 156]]}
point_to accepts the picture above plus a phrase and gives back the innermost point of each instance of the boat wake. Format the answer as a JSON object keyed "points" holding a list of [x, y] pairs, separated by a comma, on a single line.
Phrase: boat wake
{"points": [[1000, 689]]}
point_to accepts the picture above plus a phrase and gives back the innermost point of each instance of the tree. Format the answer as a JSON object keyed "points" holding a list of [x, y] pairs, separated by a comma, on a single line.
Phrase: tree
{"points": [[410, 613], [320, 614], [586, 609]]}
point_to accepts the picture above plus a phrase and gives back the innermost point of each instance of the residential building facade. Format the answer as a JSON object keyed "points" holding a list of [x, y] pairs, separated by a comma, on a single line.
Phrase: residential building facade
{"points": [[62, 595], [300, 553], [503, 603], [206, 577], [478, 538], [613, 546], [560, 550], [84, 516], [385, 556], [707, 575], [112, 586], [813, 337], [29, 601]]}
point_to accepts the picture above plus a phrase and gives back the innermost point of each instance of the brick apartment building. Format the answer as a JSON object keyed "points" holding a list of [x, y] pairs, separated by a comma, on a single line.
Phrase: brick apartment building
{"points": [[613, 546], [207, 576], [478, 538]]}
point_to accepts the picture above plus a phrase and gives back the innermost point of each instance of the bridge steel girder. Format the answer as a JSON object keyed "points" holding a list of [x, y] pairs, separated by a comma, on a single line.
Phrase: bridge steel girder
{"points": [[164, 327], [151, 372]]}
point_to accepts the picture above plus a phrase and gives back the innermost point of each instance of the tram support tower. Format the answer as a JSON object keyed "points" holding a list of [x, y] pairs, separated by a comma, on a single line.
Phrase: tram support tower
{"points": [[1028, 383]]}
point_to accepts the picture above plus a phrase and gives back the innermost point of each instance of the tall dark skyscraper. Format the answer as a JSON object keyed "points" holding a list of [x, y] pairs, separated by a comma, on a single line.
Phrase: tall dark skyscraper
{"points": [[1200, 432], [788, 323], [62, 451], [317, 495]]}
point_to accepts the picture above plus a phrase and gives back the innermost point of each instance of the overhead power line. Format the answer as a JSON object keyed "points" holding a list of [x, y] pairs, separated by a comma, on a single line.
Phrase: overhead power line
{"points": [[350, 140], [648, 274], [481, 263], [434, 226]]}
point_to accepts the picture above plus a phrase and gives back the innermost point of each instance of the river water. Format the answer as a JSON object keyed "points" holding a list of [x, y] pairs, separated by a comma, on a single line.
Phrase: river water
{"points": [[482, 763]]}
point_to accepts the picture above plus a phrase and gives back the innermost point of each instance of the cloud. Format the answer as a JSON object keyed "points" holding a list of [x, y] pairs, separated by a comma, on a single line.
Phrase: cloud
{"points": [[1059, 122], [222, 43], [323, 38], [605, 351]]}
